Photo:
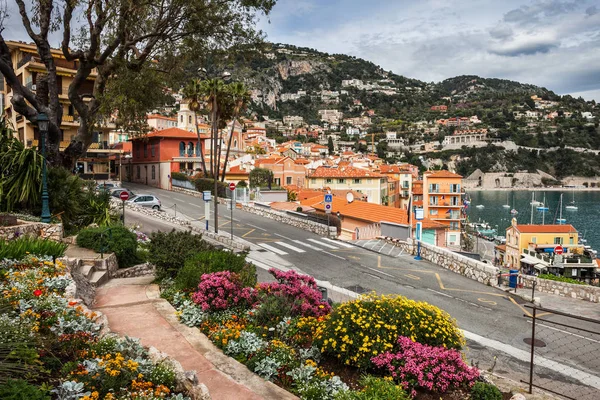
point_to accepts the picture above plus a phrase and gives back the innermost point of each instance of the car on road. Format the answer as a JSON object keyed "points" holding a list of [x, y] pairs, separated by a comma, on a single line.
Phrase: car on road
{"points": [[145, 200], [106, 186], [116, 192]]}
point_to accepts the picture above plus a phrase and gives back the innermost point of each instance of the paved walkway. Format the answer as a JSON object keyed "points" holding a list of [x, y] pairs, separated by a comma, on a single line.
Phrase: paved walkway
{"points": [[133, 308]]}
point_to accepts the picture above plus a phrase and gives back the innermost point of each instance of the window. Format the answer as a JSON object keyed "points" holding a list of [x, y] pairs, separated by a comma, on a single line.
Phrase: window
{"points": [[405, 184], [190, 151], [368, 180], [433, 201], [181, 118], [182, 148], [454, 226], [277, 181], [558, 240], [533, 239], [235, 144], [288, 180], [341, 180], [433, 211], [138, 172], [189, 119], [454, 201], [452, 238], [182, 166], [152, 150], [454, 188], [313, 180], [153, 172], [357, 181], [328, 180], [571, 240], [145, 150], [434, 188], [137, 150]]}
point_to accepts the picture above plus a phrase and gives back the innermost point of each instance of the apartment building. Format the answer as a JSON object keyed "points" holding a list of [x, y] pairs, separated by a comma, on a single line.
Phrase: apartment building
{"points": [[286, 171], [404, 178], [442, 202], [372, 184]]}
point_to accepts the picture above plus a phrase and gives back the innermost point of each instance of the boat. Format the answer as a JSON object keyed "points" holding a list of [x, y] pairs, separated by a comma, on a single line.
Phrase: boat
{"points": [[542, 207], [506, 205], [534, 202], [480, 206], [514, 212], [571, 206], [560, 220]]}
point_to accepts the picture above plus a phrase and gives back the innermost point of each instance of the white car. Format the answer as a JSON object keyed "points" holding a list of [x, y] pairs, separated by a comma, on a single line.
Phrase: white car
{"points": [[145, 200]]}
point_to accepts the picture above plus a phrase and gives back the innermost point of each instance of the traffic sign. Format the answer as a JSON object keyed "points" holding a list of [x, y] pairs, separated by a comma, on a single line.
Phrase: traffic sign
{"points": [[328, 198], [328, 208], [206, 197], [558, 250], [124, 196], [419, 214], [232, 186]]}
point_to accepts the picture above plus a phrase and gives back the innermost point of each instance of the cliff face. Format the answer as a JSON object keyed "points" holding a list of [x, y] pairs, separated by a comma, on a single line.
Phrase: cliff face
{"points": [[289, 68]]}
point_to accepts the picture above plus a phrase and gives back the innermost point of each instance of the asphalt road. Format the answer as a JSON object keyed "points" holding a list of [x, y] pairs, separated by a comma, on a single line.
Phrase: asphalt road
{"points": [[494, 321]]}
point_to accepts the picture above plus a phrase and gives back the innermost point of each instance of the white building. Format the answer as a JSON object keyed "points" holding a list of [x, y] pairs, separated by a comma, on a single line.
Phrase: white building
{"points": [[331, 116], [293, 120]]}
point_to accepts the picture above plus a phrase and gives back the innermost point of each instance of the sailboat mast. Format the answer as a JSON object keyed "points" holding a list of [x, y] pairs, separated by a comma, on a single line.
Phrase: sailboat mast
{"points": [[560, 213], [532, 200]]}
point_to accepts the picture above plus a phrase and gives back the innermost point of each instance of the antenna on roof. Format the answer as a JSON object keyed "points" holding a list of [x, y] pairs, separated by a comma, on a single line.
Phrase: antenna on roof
{"points": [[349, 197]]}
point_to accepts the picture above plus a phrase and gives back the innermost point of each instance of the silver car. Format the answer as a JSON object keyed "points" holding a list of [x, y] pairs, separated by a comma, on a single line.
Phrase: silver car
{"points": [[145, 200]]}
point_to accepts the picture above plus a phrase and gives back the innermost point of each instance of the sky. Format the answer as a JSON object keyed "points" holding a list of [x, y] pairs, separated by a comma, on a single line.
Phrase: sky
{"points": [[550, 43]]}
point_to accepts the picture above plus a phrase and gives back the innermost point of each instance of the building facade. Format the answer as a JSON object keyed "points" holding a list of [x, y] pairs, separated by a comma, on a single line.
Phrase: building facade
{"points": [[442, 202]]}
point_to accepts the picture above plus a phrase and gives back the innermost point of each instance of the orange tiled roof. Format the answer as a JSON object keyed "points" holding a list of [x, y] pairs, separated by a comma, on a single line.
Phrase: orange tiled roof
{"points": [[546, 229], [343, 172], [302, 161], [361, 210], [442, 174], [236, 169], [158, 116], [393, 169], [173, 133]]}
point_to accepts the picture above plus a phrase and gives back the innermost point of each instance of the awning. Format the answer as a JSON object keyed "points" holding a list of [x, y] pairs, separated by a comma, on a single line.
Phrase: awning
{"points": [[527, 259], [540, 267]]}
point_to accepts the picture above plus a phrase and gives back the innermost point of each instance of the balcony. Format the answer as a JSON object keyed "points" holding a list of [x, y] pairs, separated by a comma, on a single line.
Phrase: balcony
{"points": [[445, 189], [446, 204]]}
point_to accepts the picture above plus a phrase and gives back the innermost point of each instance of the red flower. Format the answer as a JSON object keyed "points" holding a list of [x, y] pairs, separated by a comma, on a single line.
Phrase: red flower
{"points": [[37, 293]]}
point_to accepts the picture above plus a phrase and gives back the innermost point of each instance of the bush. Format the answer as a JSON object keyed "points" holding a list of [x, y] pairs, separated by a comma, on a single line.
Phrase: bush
{"points": [[435, 369], [242, 183], [18, 249], [20, 389], [203, 184], [222, 290], [180, 176], [375, 389], [370, 325], [561, 279], [485, 391], [168, 251], [207, 262], [116, 239]]}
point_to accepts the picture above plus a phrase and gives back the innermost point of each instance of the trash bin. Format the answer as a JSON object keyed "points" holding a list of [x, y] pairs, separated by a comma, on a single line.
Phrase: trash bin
{"points": [[512, 279]]}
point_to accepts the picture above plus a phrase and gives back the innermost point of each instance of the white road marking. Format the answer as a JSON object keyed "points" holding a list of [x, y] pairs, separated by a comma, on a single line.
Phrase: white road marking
{"points": [[281, 236], [310, 246], [525, 356], [322, 244], [333, 255], [440, 293], [289, 246], [273, 249], [563, 331], [339, 243], [257, 227], [381, 272]]}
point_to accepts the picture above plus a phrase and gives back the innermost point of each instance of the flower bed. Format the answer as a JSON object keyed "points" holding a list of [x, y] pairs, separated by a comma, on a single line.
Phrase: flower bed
{"points": [[386, 347], [51, 347]]}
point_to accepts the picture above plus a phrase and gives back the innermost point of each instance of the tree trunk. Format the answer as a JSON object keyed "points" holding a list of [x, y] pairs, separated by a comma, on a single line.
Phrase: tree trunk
{"points": [[199, 145], [228, 147]]}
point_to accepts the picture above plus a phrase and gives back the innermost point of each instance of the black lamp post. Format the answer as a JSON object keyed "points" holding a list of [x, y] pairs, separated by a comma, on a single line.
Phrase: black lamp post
{"points": [[42, 122]]}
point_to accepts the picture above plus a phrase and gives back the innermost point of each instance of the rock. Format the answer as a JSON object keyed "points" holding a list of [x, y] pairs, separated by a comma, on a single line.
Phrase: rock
{"points": [[518, 396]]}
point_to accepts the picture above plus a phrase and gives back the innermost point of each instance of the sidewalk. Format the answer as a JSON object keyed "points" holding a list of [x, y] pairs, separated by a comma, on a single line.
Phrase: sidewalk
{"points": [[134, 308]]}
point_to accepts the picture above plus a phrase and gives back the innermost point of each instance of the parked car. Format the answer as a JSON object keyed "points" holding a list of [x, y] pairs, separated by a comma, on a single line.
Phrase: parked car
{"points": [[145, 200], [116, 192], [105, 186]]}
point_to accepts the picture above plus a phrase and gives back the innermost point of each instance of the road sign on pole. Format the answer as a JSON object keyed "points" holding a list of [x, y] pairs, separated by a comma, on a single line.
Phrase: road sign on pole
{"points": [[328, 208], [124, 196], [558, 250], [328, 201], [206, 197], [232, 186]]}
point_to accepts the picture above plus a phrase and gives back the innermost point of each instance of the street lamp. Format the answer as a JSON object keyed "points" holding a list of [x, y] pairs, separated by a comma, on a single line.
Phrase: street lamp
{"points": [[43, 122]]}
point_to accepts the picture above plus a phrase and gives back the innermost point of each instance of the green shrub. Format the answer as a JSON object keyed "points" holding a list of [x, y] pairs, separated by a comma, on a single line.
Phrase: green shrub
{"points": [[180, 176], [375, 388], [360, 329], [485, 391], [560, 279], [18, 248], [207, 262], [242, 183], [20, 389], [115, 239], [203, 184], [168, 251]]}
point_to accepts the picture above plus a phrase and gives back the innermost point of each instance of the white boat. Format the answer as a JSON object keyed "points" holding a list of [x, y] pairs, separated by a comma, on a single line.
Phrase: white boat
{"points": [[571, 206], [506, 205], [542, 207], [480, 206], [560, 220], [534, 202]]}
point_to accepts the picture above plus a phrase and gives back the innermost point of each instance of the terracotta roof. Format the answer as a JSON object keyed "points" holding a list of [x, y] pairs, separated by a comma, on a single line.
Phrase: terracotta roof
{"points": [[302, 161], [393, 169], [343, 172], [271, 160], [361, 210], [546, 229], [173, 133], [501, 247], [236, 169], [442, 174], [158, 116]]}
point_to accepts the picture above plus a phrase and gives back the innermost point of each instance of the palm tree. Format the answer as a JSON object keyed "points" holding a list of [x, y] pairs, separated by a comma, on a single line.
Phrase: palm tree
{"points": [[193, 92], [240, 96], [214, 92]]}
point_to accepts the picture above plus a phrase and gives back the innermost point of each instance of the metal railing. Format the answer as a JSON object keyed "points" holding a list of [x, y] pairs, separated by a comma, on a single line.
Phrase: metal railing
{"points": [[564, 354]]}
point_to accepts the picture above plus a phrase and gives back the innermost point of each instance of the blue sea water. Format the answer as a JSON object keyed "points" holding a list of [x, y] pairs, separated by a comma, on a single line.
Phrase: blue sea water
{"points": [[586, 219]]}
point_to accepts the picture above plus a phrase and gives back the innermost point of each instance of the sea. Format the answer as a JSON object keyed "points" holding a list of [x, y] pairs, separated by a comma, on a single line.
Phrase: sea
{"points": [[586, 219]]}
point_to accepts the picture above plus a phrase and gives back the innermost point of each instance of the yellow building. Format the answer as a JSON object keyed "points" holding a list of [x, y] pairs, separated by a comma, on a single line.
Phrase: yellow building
{"points": [[371, 184], [27, 65], [442, 202], [522, 241]]}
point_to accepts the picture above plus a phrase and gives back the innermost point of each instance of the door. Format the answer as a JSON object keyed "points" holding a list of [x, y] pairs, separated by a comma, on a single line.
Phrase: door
{"points": [[428, 236]]}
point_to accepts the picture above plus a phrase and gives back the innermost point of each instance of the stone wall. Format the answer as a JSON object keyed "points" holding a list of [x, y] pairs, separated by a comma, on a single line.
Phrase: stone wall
{"points": [[447, 259], [319, 229], [136, 270], [563, 289], [83, 289], [35, 229]]}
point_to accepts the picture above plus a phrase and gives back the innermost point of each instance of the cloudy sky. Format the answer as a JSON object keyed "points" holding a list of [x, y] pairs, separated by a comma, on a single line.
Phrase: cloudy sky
{"points": [[550, 43]]}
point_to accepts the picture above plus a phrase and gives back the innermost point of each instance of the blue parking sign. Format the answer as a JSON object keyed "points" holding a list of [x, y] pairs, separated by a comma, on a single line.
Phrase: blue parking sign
{"points": [[328, 198]]}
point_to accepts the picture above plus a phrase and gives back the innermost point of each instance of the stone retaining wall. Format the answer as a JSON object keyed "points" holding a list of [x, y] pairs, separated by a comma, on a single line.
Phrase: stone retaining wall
{"points": [[285, 218], [457, 263], [35, 229], [136, 270], [563, 289]]}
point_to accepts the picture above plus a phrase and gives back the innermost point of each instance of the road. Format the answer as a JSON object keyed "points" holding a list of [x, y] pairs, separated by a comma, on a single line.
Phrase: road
{"points": [[493, 320]]}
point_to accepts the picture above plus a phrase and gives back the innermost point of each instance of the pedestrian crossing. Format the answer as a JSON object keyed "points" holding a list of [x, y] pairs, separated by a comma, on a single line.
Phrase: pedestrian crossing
{"points": [[283, 248]]}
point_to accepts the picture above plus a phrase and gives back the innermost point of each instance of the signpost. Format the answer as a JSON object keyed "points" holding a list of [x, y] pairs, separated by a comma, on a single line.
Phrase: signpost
{"points": [[206, 197], [232, 205], [419, 215], [124, 196], [558, 250], [328, 201]]}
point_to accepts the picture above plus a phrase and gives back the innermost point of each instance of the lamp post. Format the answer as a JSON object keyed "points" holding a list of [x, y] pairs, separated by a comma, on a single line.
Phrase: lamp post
{"points": [[42, 122]]}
